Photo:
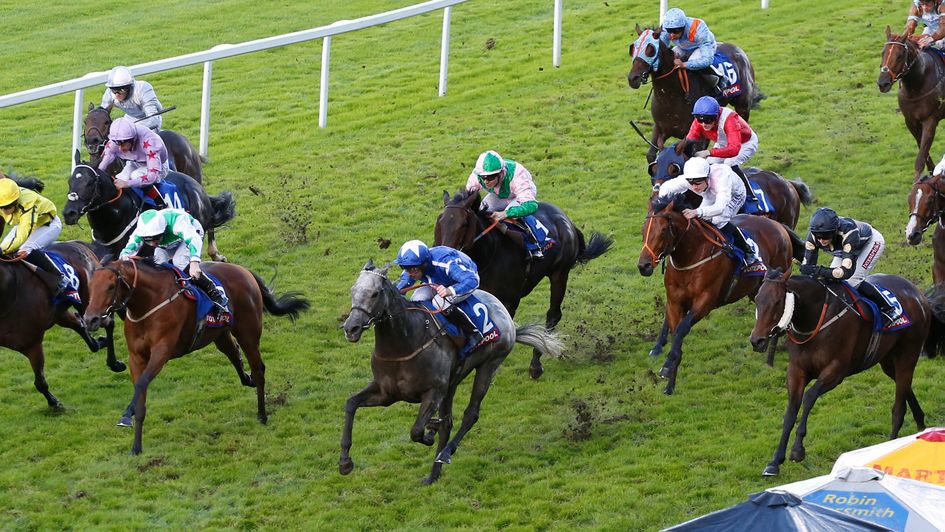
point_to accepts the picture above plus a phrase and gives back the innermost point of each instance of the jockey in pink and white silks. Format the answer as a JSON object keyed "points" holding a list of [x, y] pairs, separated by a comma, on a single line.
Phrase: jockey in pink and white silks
{"points": [[510, 194], [135, 98], [723, 194], [451, 277], [144, 155]]}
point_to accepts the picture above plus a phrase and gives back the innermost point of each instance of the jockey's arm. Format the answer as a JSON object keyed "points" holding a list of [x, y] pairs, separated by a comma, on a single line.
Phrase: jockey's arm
{"points": [[848, 257], [464, 279], [810, 250], [150, 106], [912, 21], [696, 132], [132, 247], [472, 183], [524, 209], [107, 99], [154, 163], [733, 135], [184, 229], [723, 194], [23, 231], [404, 281], [108, 156], [706, 44], [675, 185]]}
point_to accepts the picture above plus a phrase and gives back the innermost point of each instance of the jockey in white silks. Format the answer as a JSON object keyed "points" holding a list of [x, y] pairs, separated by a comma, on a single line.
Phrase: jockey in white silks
{"points": [[135, 98]]}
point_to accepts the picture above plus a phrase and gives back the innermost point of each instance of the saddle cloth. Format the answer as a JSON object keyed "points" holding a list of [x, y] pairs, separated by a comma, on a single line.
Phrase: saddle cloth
{"points": [[760, 205], [71, 293], [168, 190], [204, 304], [733, 251], [900, 318], [731, 83], [478, 313]]}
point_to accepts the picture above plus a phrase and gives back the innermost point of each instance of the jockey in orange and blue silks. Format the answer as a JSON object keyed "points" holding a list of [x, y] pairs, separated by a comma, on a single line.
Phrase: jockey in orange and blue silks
{"points": [[510, 194], [450, 275], [144, 155], [692, 42], [931, 14]]}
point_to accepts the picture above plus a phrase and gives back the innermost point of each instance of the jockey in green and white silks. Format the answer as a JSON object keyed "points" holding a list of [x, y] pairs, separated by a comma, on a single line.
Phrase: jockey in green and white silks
{"points": [[510, 194]]}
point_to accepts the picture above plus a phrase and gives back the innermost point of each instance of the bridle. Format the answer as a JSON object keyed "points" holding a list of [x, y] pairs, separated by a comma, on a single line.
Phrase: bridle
{"points": [[471, 237], [885, 68], [383, 315], [786, 325], [115, 306], [99, 148], [939, 199], [91, 204], [673, 237]]}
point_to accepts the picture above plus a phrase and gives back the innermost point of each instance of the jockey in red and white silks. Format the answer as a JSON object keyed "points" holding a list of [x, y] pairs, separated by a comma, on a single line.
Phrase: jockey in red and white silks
{"points": [[735, 141]]}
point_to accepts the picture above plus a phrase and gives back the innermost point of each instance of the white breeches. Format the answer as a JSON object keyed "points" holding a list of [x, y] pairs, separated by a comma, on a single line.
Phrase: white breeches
{"points": [[747, 150], [426, 293], [134, 170], [41, 237], [866, 260], [494, 203]]}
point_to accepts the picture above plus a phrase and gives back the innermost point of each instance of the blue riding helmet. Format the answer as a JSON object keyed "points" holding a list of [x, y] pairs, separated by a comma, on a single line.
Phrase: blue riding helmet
{"points": [[675, 19], [706, 106], [412, 253]]}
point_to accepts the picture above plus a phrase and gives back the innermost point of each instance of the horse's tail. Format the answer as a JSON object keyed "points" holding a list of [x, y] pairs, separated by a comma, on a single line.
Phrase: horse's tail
{"points": [[598, 245], [32, 183], [224, 208], [536, 336], [797, 244], [756, 98], [802, 190], [288, 304], [935, 341]]}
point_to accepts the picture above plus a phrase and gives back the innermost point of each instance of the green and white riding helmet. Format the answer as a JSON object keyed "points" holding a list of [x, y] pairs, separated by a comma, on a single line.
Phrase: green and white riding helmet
{"points": [[151, 225], [489, 164]]}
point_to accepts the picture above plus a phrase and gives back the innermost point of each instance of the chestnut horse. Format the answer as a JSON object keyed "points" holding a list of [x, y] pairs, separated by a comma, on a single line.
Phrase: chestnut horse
{"points": [[27, 311], [504, 270], [921, 76], [414, 361], [184, 158], [926, 207], [805, 309], [675, 91], [699, 277], [160, 325]]}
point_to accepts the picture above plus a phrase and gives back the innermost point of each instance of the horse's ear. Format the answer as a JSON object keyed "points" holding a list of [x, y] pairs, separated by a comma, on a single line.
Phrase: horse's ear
{"points": [[369, 265], [383, 271], [888, 32], [787, 274], [446, 198], [106, 259], [91, 106], [639, 29], [78, 157]]}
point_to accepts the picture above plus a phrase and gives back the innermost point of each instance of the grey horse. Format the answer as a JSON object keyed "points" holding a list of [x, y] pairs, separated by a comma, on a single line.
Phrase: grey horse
{"points": [[415, 361]]}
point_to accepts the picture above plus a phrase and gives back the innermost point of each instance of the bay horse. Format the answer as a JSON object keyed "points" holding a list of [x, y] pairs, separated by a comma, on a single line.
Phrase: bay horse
{"points": [[805, 308], [675, 91], [926, 207], [786, 196], [921, 77], [414, 361], [113, 214], [504, 271], [699, 277], [160, 325], [27, 311], [184, 158]]}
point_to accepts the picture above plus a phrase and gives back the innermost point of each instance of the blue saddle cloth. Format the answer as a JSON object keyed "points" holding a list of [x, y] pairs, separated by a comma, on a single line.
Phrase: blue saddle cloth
{"points": [[900, 318], [731, 83], [479, 315], [71, 293], [760, 205], [738, 255], [168, 190], [204, 304], [936, 52]]}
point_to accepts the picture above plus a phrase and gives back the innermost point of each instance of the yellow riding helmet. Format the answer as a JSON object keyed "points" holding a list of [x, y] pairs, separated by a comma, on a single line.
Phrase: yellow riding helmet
{"points": [[9, 192]]}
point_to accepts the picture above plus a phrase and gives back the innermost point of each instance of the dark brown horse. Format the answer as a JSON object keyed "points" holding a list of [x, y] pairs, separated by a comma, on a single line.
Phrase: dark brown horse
{"points": [[414, 361], [926, 207], [699, 276], [829, 341], [27, 311], [184, 157], [675, 91], [786, 196], [503, 269], [161, 325], [921, 76]]}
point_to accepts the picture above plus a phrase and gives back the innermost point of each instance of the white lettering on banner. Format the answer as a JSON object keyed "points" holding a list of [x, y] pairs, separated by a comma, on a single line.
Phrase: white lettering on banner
{"points": [[174, 201], [486, 324], [71, 275], [726, 70]]}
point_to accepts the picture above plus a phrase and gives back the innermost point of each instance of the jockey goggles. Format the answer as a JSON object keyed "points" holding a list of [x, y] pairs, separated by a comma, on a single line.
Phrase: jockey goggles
{"points": [[697, 180], [823, 236], [706, 119]]}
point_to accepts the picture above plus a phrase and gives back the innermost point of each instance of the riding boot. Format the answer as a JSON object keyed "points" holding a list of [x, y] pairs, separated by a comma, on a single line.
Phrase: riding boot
{"points": [[47, 272], [738, 238], [712, 81], [534, 253], [460, 319], [204, 283], [749, 192], [868, 290], [152, 192], [516, 236]]}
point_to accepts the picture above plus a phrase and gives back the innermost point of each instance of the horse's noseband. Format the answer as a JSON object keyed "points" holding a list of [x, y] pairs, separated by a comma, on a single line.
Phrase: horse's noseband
{"points": [[114, 306], [372, 318]]}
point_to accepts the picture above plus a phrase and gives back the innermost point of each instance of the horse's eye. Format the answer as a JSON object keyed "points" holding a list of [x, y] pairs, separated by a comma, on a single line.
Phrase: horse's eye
{"points": [[651, 169], [632, 48], [674, 169]]}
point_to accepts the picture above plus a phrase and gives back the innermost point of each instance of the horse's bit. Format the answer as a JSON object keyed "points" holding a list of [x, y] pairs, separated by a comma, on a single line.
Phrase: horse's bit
{"points": [[884, 69]]}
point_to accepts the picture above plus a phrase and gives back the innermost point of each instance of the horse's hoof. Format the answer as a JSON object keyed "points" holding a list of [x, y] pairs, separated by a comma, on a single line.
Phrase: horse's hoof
{"points": [[665, 372], [135, 452], [428, 438], [125, 421], [263, 419], [798, 455], [669, 390], [655, 352], [57, 407], [535, 372], [771, 471], [247, 381], [444, 457], [345, 466], [117, 367], [429, 480]]}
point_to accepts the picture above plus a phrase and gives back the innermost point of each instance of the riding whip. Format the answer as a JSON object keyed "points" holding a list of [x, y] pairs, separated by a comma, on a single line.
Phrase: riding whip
{"points": [[161, 112], [642, 136]]}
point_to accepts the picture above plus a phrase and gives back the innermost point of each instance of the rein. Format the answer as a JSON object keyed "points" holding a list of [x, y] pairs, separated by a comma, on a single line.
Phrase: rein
{"points": [[938, 217], [884, 69], [683, 77], [708, 231]]}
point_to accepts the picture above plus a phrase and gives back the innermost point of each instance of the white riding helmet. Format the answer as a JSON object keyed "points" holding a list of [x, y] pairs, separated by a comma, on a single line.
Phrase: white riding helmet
{"points": [[119, 77], [696, 168]]}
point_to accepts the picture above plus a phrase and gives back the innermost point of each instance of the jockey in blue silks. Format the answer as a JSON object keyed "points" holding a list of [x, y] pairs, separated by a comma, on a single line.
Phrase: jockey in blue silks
{"points": [[451, 277], [692, 42]]}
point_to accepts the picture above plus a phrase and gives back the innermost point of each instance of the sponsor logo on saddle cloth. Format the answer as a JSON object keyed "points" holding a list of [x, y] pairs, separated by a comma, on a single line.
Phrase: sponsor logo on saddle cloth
{"points": [[478, 312], [168, 191], [730, 83], [898, 320], [204, 304], [760, 205], [71, 293]]}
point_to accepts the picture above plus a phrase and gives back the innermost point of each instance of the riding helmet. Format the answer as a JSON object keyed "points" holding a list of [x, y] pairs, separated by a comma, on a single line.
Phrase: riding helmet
{"points": [[706, 106], [122, 129], [120, 77], [412, 253], [675, 19], [9, 192], [696, 168], [151, 224], [824, 220], [489, 163]]}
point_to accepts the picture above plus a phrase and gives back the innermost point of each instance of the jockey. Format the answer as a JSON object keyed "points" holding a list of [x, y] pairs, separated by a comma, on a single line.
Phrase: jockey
{"points": [[146, 161], [931, 13], [692, 42], [34, 227], [135, 98], [856, 247], [177, 237], [510, 194], [735, 141], [722, 196], [451, 277]]}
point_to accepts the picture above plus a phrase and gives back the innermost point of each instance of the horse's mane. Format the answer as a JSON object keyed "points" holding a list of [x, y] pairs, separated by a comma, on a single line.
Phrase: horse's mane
{"points": [[774, 274], [678, 201]]}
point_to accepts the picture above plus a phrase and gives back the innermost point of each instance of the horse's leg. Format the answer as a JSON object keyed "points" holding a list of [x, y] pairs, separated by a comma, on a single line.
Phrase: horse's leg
{"points": [[227, 345], [155, 364], [796, 382], [827, 380], [444, 427], [925, 146], [429, 403], [136, 365], [113, 363], [371, 395], [901, 372], [247, 335], [674, 358], [38, 362], [661, 339], [481, 383], [559, 286], [212, 249], [71, 320]]}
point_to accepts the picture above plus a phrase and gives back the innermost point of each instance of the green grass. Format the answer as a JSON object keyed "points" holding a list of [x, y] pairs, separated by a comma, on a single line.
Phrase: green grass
{"points": [[379, 170]]}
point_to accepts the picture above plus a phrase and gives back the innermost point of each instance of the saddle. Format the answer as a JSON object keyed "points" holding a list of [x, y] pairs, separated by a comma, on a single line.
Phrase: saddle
{"points": [[760, 204], [490, 333], [168, 190], [881, 323], [207, 311]]}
